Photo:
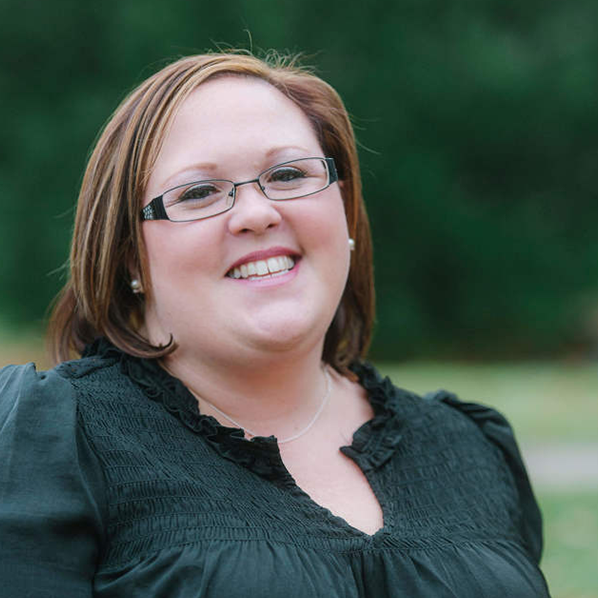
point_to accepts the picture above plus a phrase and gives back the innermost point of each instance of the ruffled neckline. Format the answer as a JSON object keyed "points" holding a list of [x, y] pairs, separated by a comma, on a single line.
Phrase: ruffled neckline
{"points": [[373, 443]]}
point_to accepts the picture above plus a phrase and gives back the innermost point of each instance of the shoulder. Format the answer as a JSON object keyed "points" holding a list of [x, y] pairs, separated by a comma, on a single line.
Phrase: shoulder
{"points": [[484, 423], [437, 428], [485, 432], [443, 420], [33, 397], [39, 412], [44, 413], [25, 390], [439, 413]]}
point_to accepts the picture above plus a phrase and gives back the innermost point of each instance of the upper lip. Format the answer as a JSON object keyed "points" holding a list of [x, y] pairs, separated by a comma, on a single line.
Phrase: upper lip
{"points": [[264, 254]]}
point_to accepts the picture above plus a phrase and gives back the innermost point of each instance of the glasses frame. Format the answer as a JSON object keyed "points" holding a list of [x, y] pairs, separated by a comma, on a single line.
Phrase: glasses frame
{"points": [[155, 209]]}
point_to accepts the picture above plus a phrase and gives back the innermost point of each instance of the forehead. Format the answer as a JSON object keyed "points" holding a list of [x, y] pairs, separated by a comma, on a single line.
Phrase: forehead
{"points": [[229, 93], [239, 108]]}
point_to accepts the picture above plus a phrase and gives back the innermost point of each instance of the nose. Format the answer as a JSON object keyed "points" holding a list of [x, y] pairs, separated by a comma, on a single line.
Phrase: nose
{"points": [[253, 211]]}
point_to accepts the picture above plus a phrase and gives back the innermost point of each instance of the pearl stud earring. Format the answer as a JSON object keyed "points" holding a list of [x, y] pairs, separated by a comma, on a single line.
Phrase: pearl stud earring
{"points": [[136, 286], [351, 244]]}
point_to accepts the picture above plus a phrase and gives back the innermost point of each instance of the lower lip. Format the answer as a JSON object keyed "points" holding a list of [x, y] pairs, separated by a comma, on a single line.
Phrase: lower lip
{"points": [[273, 281]]}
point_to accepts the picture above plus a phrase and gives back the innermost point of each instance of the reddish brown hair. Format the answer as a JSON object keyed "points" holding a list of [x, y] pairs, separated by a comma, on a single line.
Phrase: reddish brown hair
{"points": [[107, 241]]}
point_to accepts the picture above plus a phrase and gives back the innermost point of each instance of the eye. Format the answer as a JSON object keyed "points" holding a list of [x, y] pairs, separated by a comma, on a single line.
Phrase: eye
{"points": [[196, 195], [285, 174], [200, 192], [298, 178]]}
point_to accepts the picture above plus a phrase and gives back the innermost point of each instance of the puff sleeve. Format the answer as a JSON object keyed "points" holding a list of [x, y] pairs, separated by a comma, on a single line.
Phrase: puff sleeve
{"points": [[498, 431], [51, 484]]}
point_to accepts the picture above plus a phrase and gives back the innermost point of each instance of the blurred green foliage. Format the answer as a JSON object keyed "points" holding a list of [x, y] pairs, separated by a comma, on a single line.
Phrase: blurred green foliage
{"points": [[478, 135]]}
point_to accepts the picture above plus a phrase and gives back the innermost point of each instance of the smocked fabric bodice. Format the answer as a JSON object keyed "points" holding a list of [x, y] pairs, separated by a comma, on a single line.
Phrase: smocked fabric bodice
{"points": [[120, 487]]}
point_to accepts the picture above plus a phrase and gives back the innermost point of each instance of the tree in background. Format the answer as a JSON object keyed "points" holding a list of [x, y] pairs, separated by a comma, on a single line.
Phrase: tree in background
{"points": [[478, 132]]}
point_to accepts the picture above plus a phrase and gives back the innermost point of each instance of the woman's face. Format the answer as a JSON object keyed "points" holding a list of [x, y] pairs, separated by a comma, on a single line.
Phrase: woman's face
{"points": [[234, 128]]}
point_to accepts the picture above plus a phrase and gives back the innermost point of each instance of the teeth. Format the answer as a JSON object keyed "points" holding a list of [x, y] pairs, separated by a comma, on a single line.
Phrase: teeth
{"points": [[262, 268], [274, 266]]}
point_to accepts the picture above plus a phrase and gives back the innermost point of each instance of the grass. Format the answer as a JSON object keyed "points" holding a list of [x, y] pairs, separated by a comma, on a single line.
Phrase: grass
{"points": [[545, 402], [570, 560]]}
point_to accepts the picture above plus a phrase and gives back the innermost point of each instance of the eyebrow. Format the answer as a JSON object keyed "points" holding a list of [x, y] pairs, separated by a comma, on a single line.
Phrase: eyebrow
{"points": [[183, 176]]}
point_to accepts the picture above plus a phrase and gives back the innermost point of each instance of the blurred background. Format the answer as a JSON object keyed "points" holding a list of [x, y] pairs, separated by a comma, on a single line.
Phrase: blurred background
{"points": [[477, 124]]}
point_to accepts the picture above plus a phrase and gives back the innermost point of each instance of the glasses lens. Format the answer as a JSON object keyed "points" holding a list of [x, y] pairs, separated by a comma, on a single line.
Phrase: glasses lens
{"points": [[198, 200], [295, 179]]}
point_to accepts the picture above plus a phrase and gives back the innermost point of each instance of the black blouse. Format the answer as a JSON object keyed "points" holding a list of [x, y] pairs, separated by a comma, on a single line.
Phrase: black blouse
{"points": [[113, 485]]}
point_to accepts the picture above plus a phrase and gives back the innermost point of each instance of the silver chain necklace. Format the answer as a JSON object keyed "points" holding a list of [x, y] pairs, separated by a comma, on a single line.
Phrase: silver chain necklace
{"points": [[290, 438]]}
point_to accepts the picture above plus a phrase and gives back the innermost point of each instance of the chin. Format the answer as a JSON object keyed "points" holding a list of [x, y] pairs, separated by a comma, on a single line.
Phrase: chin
{"points": [[289, 334]]}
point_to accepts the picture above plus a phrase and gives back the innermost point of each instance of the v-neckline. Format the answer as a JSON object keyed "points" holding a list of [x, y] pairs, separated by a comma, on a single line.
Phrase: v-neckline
{"points": [[304, 497], [373, 443]]}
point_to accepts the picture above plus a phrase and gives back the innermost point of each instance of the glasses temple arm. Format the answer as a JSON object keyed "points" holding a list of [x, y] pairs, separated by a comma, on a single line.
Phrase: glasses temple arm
{"points": [[154, 210], [332, 173]]}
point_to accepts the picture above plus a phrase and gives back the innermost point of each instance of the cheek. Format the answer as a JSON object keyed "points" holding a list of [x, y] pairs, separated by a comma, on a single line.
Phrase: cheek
{"points": [[163, 261], [177, 259], [158, 236], [328, 234], [327, 217], [332, 228], [177, 247]]}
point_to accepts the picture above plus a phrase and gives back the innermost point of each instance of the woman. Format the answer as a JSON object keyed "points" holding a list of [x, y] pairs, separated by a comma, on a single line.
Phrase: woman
{"points": [[220, 435]]}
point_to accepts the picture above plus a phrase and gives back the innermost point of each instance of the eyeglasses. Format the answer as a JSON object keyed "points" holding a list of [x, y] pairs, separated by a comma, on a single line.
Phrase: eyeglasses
{"points": [[204, 199]]}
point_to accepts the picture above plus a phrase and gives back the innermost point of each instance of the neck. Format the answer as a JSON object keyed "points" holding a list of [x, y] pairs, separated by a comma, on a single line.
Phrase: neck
{"points": [[272, 395]]}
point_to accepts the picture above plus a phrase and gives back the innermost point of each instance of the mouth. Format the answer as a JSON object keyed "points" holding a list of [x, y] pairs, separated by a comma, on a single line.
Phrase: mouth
{"points": [[263, 269]]}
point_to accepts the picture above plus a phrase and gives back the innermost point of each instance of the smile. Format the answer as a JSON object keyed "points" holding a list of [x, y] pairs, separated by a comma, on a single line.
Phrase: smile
{"points": [[273, 266]]}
